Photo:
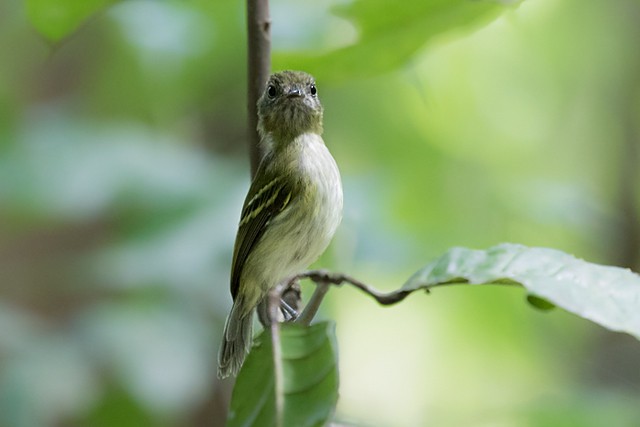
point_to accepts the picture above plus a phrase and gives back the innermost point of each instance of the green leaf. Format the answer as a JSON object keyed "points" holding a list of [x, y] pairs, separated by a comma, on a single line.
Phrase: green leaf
{"points": [[390, 33], [56, 19], [297, 388], [609, 296]]}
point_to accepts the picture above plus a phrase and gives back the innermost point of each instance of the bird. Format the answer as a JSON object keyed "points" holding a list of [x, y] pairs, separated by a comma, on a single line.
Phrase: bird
{"points": [[291, 211]]}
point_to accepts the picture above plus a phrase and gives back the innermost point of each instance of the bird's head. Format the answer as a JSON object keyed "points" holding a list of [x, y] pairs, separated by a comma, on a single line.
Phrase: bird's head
{"points": [[289, 106]]}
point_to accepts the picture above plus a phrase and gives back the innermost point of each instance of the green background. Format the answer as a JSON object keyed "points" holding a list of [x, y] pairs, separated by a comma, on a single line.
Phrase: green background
{"points": [[123, 167]]}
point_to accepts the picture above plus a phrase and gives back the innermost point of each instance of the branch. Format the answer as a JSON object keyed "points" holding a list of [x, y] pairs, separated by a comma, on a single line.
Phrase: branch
{"points": [[314, 304], [323, 276], [273, 305], [628, 247], [322, 279], [259, 64]]}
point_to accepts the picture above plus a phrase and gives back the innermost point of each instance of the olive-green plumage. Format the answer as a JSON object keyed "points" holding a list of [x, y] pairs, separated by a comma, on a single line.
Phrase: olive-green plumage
{"points": [[291, 211]]}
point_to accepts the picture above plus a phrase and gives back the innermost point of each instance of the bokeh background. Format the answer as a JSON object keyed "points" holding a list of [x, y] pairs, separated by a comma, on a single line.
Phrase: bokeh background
{"points": [[123, 166]]}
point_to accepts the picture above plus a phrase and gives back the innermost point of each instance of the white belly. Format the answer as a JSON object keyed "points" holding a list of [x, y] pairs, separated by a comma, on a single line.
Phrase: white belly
{"points": [[300, 233]]}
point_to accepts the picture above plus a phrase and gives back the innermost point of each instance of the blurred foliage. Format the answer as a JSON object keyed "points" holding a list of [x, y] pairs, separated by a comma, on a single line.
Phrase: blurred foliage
{"points": [[388, 39], [57, 19], [123, 169]]}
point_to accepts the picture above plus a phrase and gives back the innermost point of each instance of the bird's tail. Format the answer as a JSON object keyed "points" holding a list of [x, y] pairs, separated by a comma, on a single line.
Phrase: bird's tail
{"points": [[236, 340]]}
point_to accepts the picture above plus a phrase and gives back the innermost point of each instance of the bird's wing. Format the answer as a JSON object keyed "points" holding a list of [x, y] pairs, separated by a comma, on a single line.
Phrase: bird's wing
{"points": [[263, 203]]}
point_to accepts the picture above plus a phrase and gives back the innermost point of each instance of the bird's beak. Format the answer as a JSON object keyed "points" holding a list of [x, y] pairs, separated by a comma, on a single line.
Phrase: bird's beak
{"points": [[294, 92]]}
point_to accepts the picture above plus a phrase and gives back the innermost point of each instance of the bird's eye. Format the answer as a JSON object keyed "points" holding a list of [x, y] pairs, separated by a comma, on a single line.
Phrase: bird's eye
{"points": [[314, 90], [271, 91]]}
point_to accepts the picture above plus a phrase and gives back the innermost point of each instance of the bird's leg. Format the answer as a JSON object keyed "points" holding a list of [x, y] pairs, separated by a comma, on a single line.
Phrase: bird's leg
{"points": [[289, 313], [290, 301], [289, 305]]}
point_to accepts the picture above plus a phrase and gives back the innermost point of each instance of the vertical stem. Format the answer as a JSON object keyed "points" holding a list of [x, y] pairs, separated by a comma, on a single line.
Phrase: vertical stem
{"points": [[629, 229], [314, 304], [273, 305], [628, 105], [259, 64]]}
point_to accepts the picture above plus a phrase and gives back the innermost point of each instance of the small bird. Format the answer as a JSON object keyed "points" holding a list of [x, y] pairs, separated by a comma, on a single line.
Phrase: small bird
{"points": [[291, 211]]}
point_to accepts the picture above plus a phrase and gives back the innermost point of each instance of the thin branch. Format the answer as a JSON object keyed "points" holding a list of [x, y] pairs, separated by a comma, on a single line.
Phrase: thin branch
{"points": [[314, 304], [628, 245], [273, 304], [323, 276], [259, 67]]}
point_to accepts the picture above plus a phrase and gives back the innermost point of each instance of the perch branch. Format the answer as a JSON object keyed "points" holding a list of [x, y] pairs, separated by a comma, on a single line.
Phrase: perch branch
{"points": [[323, 276], [323, 279], [273, 306], [314, 303]]}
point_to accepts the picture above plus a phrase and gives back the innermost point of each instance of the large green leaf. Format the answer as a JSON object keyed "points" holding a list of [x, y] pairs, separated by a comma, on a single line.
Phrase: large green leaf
{"points": [[606, 295], [390, 33], [56, 19], [296, 385]]}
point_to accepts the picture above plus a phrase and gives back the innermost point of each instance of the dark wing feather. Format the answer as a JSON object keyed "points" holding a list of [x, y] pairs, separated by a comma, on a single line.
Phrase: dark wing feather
{"points": [[262, 204]]}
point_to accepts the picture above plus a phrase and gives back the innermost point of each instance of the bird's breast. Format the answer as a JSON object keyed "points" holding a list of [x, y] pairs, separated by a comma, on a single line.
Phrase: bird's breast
{"points": [[303, 230], [324, 185]]}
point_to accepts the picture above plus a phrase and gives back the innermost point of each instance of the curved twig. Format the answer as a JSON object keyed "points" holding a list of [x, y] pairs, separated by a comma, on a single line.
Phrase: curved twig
{"points": [[323, 276]]}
